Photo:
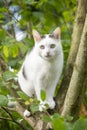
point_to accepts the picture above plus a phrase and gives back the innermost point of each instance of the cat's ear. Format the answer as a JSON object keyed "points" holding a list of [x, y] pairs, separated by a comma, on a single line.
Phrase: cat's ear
{"points": [[36, 36], [57, 33]]}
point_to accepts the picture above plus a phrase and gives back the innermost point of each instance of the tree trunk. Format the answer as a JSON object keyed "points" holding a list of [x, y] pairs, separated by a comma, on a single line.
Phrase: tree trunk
{"points": [[72, 100], [76, 36]]}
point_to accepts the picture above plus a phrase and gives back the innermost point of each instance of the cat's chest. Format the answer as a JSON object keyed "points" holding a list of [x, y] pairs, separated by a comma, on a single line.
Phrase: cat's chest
{"points": [[47, 72], [41, 69], [46, 76]]}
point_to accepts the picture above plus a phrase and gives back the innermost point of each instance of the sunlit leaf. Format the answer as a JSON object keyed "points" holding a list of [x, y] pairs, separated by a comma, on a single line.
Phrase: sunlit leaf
{"points": [[5, 51], [13, 50], [27, 102], [22, 95], [31, 100], [8, 75], [43, 95], [3, 100], [58, 124]]}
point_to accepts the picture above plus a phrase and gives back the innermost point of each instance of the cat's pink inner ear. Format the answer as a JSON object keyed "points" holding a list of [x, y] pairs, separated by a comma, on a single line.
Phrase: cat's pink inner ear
{"points": [[57, 33], [36, 36]]}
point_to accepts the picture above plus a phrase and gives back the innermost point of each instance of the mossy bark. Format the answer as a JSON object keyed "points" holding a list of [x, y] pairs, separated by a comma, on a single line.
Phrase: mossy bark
{"points": [[73, 96], [76, 36]]}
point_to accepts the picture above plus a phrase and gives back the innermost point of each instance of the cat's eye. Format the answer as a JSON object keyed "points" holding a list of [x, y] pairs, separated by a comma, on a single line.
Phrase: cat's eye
{"points": [[52, 46], [42, 47]]}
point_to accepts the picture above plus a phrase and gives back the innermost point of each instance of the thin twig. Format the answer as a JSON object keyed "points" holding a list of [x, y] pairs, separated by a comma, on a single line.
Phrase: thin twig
{"points": [[5, 118], [12, 119]]}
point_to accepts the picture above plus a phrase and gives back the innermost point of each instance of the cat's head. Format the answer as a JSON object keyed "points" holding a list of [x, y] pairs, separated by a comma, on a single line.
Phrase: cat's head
{"points": [[48, 46]]}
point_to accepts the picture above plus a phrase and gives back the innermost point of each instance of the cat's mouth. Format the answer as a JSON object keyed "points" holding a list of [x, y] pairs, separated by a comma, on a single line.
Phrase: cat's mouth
{"points": [[48, 56]]}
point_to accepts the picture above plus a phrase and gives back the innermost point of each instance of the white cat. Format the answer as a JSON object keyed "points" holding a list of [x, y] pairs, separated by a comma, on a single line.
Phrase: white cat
{"points": [[42, 67]]}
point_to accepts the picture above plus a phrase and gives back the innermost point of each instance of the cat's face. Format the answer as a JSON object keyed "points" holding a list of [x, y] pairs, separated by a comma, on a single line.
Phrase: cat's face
{"points": [[47, 46]]}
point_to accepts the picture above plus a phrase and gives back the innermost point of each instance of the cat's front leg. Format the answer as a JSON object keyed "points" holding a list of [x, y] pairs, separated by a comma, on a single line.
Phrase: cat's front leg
{"points": [[49, 97], [38, 89], [42, 106], [51, 103]]}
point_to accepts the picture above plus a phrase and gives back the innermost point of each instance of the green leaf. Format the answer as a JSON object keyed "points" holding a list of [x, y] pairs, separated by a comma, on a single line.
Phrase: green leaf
{"points": [[3, 100], [46, 118], [23, 95], [22, 48], [3, 89], [55, 116], [69, 118], [8, 75], [34, 108], [3, 9], [69, 126], [13, 62], [2, 16], [58, 124], [80, 124], [13, 50], [5, 51], [2, 34], [14, 86], [43, 95]]}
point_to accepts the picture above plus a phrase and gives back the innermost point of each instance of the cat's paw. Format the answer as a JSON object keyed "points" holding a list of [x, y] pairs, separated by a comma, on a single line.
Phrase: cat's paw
{"points": [[51, 104], [42, 106]]}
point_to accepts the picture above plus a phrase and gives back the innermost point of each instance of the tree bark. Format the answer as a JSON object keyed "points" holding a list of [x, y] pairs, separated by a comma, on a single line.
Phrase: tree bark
{"points": [[72, 100], [76, 36]]}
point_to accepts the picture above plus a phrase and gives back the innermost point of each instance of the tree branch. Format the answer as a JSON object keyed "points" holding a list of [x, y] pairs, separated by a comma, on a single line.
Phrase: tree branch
{"points": [[79, 75], [30, 120], [76, 36], [5, 118], [12, 119]]}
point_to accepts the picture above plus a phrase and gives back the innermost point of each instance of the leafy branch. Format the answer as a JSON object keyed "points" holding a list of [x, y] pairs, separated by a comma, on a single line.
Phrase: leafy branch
{"points": [[12, 118]]}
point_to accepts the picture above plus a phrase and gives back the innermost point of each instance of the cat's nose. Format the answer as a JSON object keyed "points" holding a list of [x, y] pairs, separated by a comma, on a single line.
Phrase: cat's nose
{"points": [[48, 53]]}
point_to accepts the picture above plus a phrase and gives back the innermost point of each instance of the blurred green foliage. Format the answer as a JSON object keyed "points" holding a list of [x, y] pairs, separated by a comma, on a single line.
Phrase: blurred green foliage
{"points": [[59, 123], [45, 16]]}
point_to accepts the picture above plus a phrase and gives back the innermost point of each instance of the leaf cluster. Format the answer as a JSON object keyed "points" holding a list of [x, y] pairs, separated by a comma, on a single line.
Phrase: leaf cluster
{"points": [[45, 16], [59, 123]]}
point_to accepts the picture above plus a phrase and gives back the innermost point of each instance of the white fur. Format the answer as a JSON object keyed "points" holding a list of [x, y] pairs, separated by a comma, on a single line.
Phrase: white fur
{"points": [[42, 71], [26, 113]]}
